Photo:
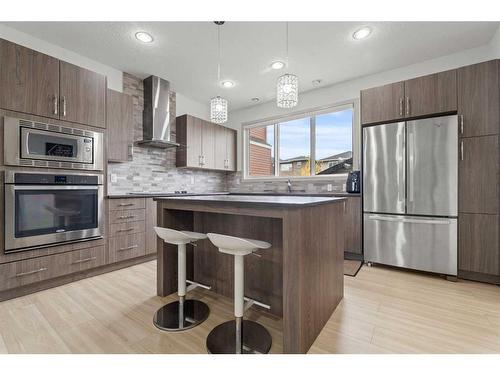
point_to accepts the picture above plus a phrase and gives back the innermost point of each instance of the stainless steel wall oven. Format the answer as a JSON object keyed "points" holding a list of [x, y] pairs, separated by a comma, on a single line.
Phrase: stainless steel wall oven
{"points": [[44, 209], [35, 144]]}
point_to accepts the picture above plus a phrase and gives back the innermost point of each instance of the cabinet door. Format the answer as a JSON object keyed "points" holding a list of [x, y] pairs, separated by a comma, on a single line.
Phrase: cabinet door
{"points": [[119, 122], [479, 247], [478, 171], [352, 230], [220, 148], [193, 141], [431, 94], [151, 212], [83, 95], [29, 80], [478, 99], [381, 104], [231, 149], [208, 144]]}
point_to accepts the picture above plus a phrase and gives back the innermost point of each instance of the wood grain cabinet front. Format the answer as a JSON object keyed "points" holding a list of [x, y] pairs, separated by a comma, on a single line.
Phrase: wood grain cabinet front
{"points": [[383, 103], [479, 99], [352, 232], [120, 125], [82, 95], [431, 94], [29, 81], [205, 144], [127, 216], [29, 271], [126, 247]]}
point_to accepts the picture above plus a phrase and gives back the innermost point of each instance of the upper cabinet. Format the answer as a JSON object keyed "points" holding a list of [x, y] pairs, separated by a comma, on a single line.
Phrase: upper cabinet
{"points": [[204, 144], [29, 81], [83, 95], [479, 99], [120, 125], [41, 85], [381, 104], [431, 94], [422, 96]]}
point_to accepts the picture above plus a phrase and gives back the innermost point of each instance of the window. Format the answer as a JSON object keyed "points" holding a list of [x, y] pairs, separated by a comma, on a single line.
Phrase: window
{"points": [[322, 139]]}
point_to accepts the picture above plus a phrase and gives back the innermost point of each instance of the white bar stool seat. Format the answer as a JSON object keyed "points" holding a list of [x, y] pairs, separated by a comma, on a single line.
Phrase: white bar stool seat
{"points": [[183, 314], [238, 336]]}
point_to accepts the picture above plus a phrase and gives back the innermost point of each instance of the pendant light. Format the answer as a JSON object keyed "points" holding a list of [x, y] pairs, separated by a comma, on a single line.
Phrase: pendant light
{"points": [[287, 86], [218, 105]]}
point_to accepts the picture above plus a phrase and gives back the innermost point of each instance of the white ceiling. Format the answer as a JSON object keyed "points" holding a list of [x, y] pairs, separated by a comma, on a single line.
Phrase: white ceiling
{"points": [[185, 53]]}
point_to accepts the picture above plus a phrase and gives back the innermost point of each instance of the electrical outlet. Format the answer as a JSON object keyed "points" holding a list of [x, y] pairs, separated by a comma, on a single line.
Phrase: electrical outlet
{"points": [[329, 187], [113, 177]]}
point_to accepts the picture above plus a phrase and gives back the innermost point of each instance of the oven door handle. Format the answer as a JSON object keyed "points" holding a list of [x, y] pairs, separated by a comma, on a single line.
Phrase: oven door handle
{"points": [[56, 187]]}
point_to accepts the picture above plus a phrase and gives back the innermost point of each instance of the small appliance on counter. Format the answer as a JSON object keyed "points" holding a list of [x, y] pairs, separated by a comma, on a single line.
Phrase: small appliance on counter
{"points": [[353, 183]]}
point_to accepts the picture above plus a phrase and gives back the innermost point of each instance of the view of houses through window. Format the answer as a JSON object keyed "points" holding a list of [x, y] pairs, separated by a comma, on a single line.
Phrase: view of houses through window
{"points": [[322, 140]]}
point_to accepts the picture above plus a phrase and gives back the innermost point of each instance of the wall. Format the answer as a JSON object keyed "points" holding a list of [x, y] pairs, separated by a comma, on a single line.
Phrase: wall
{"points": [[341, 92], [152, 169]]}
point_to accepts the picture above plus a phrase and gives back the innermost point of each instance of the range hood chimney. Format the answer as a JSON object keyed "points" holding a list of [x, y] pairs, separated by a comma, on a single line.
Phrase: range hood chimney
{"points": [[159, 113]]}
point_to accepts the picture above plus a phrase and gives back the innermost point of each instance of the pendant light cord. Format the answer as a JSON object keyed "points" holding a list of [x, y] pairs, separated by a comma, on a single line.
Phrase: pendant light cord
{"points": [[218, 57]]}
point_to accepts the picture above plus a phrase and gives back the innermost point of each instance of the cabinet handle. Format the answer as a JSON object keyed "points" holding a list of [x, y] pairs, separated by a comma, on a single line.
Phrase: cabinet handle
{"points": [[63, 106], [130, 151], [125, 230], [31, 272], [126, 217], [128, 248], [202, 160], [199, 160], [401, 106], [125, 204], [461, 150], [461, 124], [407, 106], [84, 260], [56, 105]]}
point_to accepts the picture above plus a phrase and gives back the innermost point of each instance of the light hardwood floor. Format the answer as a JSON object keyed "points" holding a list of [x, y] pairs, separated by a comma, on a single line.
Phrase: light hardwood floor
{"points": [[384, 311]]}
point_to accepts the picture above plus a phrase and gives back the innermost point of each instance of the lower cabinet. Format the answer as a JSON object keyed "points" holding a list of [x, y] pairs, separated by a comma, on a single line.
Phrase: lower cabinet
{"points": [[352, 232], [479, 246], [29, 271], [126, 247]]}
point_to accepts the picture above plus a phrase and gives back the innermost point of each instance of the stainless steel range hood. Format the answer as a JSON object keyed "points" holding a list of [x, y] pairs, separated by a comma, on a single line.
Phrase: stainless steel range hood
{"points": [[159, 113]]}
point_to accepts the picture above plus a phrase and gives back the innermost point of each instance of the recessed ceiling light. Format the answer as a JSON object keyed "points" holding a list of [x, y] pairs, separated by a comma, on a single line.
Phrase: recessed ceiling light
{"points": [[362, 33], [227, 84], [276, 65], [143, 37], [255, 100]]}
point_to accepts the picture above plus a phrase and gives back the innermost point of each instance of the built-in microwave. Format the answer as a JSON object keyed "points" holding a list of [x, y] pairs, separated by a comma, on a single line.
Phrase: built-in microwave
{"points": [[35, 144]]}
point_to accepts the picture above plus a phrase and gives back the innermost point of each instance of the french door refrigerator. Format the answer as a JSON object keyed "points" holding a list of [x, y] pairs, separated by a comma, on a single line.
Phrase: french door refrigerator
{"points": [[410, 194]]}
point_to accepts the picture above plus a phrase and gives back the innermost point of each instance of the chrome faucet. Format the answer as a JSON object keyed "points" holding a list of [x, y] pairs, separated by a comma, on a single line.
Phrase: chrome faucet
{"points": [[289, 185]]}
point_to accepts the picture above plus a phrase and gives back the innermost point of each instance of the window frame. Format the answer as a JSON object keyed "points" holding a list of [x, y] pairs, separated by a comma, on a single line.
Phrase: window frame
{"points": [[276, 120]]}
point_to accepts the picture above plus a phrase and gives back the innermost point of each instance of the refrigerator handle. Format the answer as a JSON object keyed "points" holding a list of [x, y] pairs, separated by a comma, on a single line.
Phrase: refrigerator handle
{"points": [[411, 163], [400, 173]]}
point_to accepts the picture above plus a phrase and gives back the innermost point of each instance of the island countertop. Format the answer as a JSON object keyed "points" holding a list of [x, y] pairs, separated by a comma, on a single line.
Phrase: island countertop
{"points": [[256, 200]]}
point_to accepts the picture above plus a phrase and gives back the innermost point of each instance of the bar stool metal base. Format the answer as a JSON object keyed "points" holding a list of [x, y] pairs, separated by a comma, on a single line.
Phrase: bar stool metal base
{"points": [[173, 317], [222, 339]]}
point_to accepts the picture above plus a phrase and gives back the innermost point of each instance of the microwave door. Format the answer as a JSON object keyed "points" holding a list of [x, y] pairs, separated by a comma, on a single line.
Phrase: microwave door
{"points": [[432, 160], [384, 168]]}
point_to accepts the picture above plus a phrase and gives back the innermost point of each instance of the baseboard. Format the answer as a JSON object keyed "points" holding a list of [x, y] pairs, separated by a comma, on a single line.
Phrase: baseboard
{"points": [[51, 283], [353, 256], [481, 277]]}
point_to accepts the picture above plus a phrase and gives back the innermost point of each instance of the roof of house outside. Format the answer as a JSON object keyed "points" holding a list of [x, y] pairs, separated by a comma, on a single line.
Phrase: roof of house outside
{"points": [[338, 168], [297, 158], [343, 155]]}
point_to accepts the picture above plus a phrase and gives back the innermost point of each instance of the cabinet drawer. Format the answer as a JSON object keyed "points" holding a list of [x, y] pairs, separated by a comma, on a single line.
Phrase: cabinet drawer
{"points": [[126, 228], [126, 247], [126, 203], [89, 258], [34, 270], [126, 216]]}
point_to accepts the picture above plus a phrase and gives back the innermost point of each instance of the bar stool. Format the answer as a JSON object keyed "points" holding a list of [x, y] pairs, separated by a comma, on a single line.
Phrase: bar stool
{"points": [[239, 336], [183, 314]]}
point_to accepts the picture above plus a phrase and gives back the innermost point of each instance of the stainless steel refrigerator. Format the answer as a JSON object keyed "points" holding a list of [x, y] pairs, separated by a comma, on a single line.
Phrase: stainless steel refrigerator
{"points": [[410, 172]]}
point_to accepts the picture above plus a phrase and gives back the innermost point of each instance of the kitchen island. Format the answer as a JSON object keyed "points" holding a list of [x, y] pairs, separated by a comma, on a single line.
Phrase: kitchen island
{"points": [[300, 277]]}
